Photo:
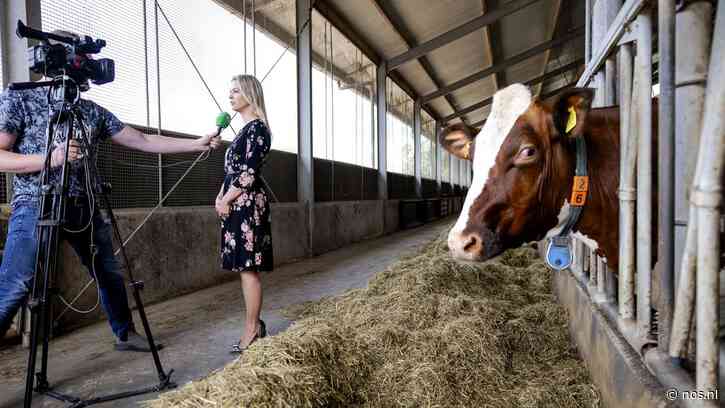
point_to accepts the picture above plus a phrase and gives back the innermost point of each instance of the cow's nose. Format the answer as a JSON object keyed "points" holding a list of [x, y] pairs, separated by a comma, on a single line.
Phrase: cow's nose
{"points": [[467, 245]]}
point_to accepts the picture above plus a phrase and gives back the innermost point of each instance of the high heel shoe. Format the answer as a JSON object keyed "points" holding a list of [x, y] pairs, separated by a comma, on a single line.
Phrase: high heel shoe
{"points": [[261, 333]]}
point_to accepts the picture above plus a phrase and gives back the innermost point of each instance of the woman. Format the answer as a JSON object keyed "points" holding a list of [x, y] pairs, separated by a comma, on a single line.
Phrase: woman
{"points": [[243, 206]]}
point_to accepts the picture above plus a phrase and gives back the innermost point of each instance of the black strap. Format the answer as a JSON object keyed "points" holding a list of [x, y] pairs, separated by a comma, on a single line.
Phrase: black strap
{"points": [[581, 170]]}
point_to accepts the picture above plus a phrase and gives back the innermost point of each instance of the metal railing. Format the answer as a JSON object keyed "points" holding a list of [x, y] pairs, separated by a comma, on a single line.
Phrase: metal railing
{"points": [[657, 319]]}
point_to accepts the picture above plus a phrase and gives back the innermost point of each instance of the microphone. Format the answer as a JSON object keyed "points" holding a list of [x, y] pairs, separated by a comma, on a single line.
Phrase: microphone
{"points": [[222, 121]]}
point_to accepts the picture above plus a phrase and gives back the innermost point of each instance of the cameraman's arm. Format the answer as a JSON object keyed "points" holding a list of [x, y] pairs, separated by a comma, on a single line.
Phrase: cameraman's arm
{"points": [[12, 162], [133, 139]]}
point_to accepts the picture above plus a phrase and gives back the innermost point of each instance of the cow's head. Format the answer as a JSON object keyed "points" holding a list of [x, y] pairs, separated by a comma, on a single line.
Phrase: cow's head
{"points": [[523, 161]]}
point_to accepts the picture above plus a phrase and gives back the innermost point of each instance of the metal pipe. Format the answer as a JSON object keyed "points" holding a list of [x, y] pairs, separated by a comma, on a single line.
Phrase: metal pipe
{"points": [[708, 199], [692, 44], [644, 172], [601, 276], [627, 180], [666, 171], [599, 28], [627, 13], [611, 7], [592, 286], [588, 31]]}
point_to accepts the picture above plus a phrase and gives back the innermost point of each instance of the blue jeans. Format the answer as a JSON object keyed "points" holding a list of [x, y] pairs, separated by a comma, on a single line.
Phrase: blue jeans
{"points": [[18, 263]]}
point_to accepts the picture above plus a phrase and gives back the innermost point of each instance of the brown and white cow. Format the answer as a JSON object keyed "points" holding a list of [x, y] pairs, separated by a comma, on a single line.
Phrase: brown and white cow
{"points": [[523, 165]]}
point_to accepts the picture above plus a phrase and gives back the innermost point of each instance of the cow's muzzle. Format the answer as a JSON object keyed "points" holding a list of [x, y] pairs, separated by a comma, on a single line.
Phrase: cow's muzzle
{"points": [[474, 245]]}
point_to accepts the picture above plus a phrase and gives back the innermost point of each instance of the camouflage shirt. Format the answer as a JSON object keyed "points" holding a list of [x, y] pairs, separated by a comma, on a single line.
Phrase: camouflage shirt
{"points": [[25, 114]]}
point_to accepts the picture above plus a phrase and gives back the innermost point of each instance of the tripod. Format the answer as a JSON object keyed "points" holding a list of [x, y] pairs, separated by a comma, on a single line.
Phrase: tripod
{"points": [[67, 124]]}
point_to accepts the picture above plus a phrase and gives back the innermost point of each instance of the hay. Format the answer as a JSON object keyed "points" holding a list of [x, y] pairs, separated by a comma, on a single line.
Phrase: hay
{"points": [[428, 331]]}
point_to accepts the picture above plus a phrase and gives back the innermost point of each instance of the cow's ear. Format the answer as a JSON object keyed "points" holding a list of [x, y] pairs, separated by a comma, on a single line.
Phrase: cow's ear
{"points": [[458, 140], [570, 111]]}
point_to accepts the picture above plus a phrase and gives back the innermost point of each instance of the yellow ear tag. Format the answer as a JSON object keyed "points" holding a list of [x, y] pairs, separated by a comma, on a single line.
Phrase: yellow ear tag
{"points": [[572, 120]]}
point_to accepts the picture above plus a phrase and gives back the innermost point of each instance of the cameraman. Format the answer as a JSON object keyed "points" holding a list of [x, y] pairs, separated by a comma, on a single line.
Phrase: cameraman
{"points": [[23, 121]]}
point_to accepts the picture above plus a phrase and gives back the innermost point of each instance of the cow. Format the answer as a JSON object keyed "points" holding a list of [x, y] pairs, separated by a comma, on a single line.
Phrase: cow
{"points": [[524, 162]]}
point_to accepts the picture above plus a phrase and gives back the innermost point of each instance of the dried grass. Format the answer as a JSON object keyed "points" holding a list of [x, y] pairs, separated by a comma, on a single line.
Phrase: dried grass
{"points": [[429, 331]]}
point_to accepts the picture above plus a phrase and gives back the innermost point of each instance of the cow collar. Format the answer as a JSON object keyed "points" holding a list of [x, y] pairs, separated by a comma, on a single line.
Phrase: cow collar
{"points": [[558, 252]]}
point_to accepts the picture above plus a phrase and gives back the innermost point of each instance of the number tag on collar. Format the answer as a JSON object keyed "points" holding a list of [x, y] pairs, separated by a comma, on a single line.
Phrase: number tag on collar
{"points": [[579, 191], [558, 253]]}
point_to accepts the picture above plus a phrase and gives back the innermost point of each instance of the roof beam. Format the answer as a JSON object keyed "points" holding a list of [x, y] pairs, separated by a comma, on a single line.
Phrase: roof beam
{"points": [[555, 29], [479, 123], [487, 41], [395, 22], [504, 64], [346, 28], [539, 79], [557, 90], [497, 54], [458, 32], [542, 97]]}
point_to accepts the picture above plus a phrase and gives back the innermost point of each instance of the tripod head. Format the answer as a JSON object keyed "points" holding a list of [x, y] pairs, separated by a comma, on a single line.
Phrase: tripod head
{"points": [[62, 88]]}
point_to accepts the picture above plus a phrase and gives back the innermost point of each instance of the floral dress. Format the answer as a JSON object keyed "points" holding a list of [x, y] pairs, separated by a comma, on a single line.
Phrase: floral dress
{"points": [[247, 231]]}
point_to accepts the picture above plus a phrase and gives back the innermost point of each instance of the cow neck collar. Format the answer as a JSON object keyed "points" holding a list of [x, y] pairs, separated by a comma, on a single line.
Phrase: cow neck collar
{"points": [[580, 187]]}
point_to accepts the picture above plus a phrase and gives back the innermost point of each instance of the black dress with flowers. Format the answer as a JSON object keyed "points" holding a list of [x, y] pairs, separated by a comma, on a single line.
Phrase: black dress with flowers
{"points": [[247, 230]]}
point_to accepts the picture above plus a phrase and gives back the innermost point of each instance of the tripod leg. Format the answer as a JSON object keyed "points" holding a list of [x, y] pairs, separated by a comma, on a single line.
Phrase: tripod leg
{"points": [[38, 315], [136, 287]]}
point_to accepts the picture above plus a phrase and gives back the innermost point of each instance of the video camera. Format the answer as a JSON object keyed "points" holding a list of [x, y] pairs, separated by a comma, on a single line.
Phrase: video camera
{"points": [[68, 56]]}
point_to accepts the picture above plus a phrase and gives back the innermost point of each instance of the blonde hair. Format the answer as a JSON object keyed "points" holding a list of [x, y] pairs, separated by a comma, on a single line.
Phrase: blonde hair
{"points": [[251, 90]]}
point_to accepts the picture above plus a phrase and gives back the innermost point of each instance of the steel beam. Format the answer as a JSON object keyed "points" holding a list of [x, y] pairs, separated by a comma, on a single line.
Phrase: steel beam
{"points": [[504, 64], [305, 168], [416, 150], [382, 97], [629, 11], [458, 32], [346, 28], [393, 19], [539, 79]]}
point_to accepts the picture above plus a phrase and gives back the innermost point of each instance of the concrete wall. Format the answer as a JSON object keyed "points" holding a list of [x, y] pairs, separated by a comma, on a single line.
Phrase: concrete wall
{"points": [[616, 368], [177, 251], [343, 222]]}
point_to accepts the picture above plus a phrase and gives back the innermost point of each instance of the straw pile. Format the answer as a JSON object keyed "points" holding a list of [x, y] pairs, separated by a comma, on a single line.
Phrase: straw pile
{"points": [[428, 331]]}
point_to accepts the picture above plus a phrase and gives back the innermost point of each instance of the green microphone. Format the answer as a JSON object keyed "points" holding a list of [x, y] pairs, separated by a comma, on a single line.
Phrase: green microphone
{"points": [[222, 121]]}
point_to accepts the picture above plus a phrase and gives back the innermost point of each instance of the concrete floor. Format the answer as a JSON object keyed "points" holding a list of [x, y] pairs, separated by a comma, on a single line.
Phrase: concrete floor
{"points": [[197, 329]]}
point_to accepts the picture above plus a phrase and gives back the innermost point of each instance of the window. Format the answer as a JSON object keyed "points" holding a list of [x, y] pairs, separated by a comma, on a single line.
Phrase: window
{"points": [[400, 151], [343, 89], [427, 146], [171, 94]]}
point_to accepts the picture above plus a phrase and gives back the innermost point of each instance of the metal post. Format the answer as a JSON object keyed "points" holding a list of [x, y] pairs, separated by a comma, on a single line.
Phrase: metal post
{"points": [[692, 44], [588, 31], [593, 271], [666, 173], [305, 168], [707, 196], [599, 29], [644, 172], [382, 96], [627, 191], [416, 149], [610, 68], [437, 159]]}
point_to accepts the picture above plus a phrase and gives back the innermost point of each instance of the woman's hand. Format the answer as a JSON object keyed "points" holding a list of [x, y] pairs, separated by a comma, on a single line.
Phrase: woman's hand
{"points": [[222, 208]]}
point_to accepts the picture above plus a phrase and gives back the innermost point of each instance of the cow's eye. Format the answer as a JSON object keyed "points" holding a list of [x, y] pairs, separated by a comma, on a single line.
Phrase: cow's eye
{"points": [[526, 154]]}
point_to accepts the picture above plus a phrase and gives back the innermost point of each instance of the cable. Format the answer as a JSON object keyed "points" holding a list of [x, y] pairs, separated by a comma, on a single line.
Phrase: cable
{"points": [[199, 158]]}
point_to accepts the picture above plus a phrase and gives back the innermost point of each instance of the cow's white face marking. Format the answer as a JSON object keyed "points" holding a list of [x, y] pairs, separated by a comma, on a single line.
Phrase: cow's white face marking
{"points": [[508, 104]]}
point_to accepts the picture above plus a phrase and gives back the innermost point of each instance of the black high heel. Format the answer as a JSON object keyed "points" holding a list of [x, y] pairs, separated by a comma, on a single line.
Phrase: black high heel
{"points": [[261, 333]]}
